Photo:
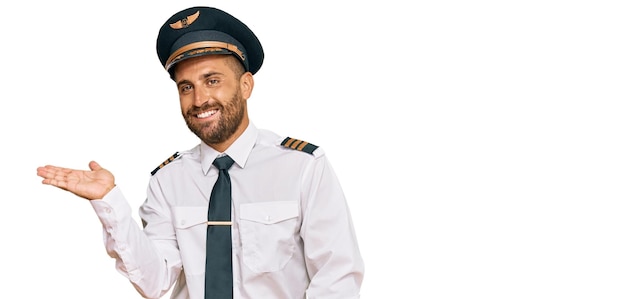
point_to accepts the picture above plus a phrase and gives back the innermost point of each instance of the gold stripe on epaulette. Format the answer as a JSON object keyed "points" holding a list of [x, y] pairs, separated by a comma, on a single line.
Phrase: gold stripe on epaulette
{"points": [[296, 144], [288, 142], [170, 159], [299, 145], [302, 145]]}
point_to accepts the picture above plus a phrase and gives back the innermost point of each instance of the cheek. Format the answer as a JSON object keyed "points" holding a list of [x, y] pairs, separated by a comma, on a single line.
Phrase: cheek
{"points": [[184, 103]]}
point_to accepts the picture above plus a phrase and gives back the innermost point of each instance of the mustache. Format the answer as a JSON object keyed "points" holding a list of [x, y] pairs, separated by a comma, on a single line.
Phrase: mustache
{"points": [[194, 110]]}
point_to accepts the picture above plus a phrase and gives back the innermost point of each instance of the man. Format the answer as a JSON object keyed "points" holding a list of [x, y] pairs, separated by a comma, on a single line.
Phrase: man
{"points": [[288, 231]]}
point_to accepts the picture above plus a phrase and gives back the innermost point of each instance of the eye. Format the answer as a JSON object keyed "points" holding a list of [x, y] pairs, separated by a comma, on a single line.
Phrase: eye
{"points": [[185, 88], [212, 81]]}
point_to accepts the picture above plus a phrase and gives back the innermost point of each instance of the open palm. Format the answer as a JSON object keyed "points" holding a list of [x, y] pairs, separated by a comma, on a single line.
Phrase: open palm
{"points": [[90, 184]]}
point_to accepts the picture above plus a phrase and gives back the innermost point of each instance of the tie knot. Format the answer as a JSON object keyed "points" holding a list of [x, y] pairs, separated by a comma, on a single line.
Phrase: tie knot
{"points": [[224, 162]]}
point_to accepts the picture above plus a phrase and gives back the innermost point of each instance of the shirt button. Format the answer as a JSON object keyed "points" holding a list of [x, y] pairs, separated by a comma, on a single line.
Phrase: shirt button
{"points": [[183, 222], [107, 210], [268, 218]]}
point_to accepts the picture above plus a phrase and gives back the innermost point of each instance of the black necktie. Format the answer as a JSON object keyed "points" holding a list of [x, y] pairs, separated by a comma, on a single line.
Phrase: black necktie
{"points": [[218, 281]]}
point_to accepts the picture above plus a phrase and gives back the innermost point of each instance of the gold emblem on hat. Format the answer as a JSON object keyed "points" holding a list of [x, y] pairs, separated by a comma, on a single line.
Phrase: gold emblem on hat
{"points": [[185, 22]]}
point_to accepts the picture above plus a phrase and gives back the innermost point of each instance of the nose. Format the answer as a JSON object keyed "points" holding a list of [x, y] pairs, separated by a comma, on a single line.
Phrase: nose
{"points": [[200, 97]]}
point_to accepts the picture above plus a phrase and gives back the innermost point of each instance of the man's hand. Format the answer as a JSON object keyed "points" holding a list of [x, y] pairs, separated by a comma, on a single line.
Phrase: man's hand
{"points": [[94, 184]]}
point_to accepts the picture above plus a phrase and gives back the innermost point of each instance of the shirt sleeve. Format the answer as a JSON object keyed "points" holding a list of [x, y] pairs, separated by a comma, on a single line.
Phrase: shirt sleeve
{"points": [[333, 259], [150, 261]]}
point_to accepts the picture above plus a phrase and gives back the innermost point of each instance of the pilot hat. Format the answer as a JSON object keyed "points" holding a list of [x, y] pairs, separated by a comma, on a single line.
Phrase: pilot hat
{"points": [[200, 30]]}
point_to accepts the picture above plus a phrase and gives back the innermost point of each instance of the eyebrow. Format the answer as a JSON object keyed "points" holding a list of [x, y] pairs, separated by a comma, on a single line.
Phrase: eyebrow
{"points": [[204, 76], [211, 74]]}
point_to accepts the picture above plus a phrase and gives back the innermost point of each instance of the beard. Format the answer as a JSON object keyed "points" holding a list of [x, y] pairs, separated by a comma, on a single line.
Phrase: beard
{"points": [[218, 131]]}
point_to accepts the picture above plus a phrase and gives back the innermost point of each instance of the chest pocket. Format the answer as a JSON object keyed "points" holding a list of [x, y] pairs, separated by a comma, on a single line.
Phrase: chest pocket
{"points": [[268, 231], [190, 226]]}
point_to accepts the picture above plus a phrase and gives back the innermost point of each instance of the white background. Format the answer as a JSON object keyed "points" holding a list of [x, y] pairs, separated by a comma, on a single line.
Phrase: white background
{"points": [[481, 144]]}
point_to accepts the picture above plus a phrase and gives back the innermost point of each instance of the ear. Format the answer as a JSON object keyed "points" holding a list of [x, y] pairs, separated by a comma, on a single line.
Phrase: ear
{"points": [[246, 83]]}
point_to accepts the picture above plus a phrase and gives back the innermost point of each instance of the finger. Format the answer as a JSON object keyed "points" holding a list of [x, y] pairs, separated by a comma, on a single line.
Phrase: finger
{"points": [[54, 181], [59, 178], [47, 172], [52, 171], [57, 183], [93, 165], [41, 171]]}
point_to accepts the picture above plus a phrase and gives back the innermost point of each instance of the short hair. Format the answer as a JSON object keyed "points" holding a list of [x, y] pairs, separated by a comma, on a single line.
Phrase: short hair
{"points": [[236, 66]]}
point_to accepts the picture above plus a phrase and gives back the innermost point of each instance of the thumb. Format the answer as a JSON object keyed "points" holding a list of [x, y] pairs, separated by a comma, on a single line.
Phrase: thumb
{"points": [[93, 165]]}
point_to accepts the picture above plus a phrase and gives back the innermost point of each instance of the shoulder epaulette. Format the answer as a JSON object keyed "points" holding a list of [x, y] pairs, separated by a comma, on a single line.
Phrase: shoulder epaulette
{"points": [[299, 145], [170, 159]]}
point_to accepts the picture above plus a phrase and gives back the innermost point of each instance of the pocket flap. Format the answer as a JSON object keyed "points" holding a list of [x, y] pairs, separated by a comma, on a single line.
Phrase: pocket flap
{"points": [[269, 212], [186, 217]]}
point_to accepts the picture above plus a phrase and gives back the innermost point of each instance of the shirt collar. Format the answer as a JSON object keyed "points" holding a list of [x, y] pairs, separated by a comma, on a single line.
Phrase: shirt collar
{"points": [[239, 151]]}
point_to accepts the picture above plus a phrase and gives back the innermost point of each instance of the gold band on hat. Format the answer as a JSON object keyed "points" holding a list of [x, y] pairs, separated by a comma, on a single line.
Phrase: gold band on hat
{"points": [[199, 45]]}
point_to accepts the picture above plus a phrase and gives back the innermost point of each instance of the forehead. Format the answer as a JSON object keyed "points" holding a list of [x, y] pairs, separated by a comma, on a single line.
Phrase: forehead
{"points": [[197, 68]]}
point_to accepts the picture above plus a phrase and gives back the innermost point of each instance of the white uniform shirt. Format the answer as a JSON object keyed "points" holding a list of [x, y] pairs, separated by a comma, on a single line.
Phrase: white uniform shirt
{"points": [[292, 231]]}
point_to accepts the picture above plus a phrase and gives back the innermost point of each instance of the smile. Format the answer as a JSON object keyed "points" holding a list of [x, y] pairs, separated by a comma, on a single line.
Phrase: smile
{"points": [[206, 114]]}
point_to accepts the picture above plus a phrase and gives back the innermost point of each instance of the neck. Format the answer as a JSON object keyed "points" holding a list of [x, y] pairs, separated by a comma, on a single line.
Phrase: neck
{"points": [[223, 146]]}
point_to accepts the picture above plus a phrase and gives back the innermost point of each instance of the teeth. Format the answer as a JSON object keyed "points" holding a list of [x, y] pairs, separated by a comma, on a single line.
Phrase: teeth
{"points": [[206, 114]]}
